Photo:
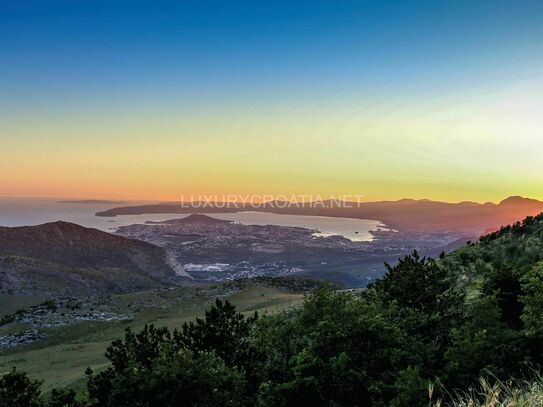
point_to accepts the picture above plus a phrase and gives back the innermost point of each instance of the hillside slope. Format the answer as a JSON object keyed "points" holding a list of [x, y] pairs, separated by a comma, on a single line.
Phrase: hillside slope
{"points": [[164, 307], [512, 250], [64, 257]]}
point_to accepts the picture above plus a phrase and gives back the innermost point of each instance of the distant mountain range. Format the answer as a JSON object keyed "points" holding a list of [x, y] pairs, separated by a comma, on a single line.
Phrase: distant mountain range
{"points": [[405, 214], [62, 257]]}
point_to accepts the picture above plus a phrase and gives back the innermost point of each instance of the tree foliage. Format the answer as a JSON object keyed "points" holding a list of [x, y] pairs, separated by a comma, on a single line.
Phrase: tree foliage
{"points": [[18, 390]]}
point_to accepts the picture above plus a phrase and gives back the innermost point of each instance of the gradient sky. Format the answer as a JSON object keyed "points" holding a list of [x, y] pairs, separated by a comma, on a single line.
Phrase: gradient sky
{"points": [[154, 99]]}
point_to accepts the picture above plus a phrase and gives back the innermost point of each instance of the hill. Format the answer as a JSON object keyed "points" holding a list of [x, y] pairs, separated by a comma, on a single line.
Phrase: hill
{"points": [[194, 219], [64, 257], [515, 249]]}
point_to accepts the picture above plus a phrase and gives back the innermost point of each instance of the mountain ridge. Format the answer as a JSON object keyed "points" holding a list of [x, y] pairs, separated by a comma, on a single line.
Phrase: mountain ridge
{"points": [[70, 253], [407, 214]]}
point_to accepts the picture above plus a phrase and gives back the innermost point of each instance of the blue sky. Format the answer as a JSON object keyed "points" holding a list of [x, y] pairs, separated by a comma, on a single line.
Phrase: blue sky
{"points": [[77, 73], [272, 49]]}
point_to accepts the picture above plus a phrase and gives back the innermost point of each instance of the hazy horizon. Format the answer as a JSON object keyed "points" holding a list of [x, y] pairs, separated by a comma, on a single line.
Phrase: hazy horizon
{"points": [[120, 201]]}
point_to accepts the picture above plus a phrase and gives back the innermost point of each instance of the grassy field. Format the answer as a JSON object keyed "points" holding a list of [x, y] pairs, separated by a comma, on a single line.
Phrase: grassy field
{"points": [[61, 359]]}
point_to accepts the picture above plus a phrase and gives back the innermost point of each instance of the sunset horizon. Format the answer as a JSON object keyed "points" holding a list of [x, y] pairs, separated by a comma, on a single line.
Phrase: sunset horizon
{"points": [[254, 198], [133, 101]]}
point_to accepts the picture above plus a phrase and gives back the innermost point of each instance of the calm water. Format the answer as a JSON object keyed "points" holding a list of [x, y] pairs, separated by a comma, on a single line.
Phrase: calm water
{"points": [[354, 229], [21, 212]]}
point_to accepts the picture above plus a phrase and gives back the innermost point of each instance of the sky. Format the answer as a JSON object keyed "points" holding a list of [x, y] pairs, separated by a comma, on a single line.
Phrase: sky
{"points": [[161, 99]]}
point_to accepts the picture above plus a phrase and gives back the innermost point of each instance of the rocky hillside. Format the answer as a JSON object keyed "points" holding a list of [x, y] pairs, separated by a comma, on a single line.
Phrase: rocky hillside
{"points": [[64, 257]]}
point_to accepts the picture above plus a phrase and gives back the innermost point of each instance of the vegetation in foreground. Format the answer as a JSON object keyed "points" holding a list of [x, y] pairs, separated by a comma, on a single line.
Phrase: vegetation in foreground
{"points": [[62, 355], [448, 321], [499, 394]]}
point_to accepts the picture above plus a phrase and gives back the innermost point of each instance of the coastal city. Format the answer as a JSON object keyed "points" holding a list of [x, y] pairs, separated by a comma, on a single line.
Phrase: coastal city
{"points": [[208, 249]]}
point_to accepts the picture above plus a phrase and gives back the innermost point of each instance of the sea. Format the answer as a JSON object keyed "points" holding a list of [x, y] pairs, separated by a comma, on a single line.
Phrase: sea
{"points": [[32, 211]]}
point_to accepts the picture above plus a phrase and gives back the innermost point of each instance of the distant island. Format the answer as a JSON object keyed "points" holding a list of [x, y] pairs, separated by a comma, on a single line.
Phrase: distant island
{"points": [[92, 201]]}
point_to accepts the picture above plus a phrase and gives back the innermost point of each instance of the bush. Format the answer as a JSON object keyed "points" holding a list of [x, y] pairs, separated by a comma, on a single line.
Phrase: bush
{"points": [[18, 390]]}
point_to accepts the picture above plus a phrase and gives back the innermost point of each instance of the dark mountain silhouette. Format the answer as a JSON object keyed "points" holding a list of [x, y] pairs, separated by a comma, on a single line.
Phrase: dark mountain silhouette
{"points": [[78, 258]]}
